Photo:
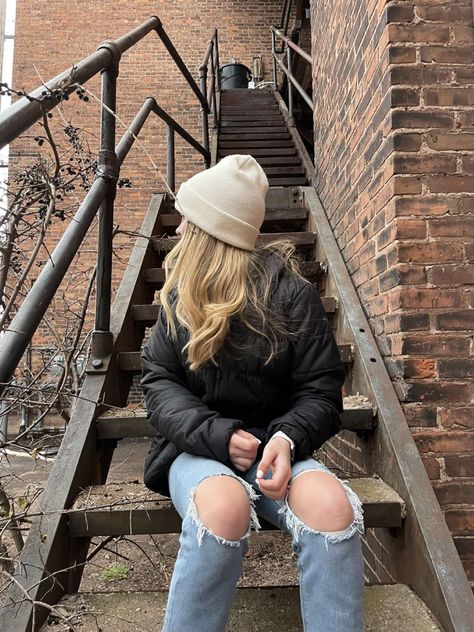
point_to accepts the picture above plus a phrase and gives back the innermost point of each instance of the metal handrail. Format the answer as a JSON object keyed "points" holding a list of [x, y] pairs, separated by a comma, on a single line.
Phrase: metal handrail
{"points": [[290, 46], [28, 110]]}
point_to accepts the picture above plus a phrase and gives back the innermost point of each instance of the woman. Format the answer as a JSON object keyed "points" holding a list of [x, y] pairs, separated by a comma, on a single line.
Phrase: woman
{"points": [[242, 380]]}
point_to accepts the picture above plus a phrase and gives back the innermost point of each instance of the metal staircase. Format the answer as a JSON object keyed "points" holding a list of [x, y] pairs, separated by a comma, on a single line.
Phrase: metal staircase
{"points": [[430, 590]]}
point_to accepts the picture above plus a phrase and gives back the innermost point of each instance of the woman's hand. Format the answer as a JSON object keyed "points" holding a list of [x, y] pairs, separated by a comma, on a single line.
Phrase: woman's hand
{"points": [[243, 448], [277, 456]]}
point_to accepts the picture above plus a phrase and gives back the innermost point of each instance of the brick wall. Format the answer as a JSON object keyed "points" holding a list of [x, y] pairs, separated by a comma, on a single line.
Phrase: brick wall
{"points": [[51, 36], [393, 84]]}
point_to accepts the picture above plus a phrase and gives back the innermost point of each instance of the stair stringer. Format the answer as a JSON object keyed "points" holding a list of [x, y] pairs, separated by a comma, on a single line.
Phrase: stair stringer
{"points": [[425, 557], [51, 563]]}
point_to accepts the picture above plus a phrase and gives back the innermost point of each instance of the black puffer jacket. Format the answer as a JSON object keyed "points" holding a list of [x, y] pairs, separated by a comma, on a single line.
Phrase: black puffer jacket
{"points": [[298, 392]]}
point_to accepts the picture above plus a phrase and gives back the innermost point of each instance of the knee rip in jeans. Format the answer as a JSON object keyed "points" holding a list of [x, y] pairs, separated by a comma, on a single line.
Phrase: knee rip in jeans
{"points": [[202, 529], [296, 526]]}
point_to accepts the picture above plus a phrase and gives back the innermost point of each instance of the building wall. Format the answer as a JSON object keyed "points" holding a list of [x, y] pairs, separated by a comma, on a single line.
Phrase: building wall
{"points": [[52, 36], [393, 84]]}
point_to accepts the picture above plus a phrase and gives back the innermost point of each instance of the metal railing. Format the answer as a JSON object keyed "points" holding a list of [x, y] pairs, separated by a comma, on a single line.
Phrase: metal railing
{"points": [[28, 110], [291, 48]]}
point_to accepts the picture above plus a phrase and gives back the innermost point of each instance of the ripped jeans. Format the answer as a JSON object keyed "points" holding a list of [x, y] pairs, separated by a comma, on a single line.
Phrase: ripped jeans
{"points": [[208, 567]]}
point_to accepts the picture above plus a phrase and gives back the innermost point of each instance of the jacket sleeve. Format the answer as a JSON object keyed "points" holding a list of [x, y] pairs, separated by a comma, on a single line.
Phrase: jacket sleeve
{"points": [[173, 410], [316, 378]]}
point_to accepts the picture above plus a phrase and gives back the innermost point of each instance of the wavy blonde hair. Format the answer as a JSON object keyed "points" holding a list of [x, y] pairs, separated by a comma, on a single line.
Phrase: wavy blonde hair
{"points": [[215, 281]]}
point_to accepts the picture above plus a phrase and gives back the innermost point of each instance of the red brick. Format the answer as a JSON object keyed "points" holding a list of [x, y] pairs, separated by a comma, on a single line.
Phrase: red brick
{"points": [[445, 13], [452, 227], [461, 466], [456, 368], [406, 322], [451, 275], [400, 13], [425, 163], [451, 184], [406, 184], [420, 415], [426, 205], [404, 141], [403, 96], [422, 118], [460, 320], [462, 34], [449, 96], [431, 467], [460, 520], [454, 492], [439, 141], [464, 74], [462, 417], [401, 54], [434, 345], [419, 368], [444, 442], [426, 298], [418, 33], [448, 54], [430, 252], [410, 228]]}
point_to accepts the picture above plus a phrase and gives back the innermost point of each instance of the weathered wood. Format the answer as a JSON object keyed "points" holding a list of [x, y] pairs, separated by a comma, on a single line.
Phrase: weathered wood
{"points": [[129, 361], [135, 423], [283, 171], [300, 240], [261, 151], [247, 133], [48, 549], [132, 509], [287, 181], [148, 313], [254, 143]]}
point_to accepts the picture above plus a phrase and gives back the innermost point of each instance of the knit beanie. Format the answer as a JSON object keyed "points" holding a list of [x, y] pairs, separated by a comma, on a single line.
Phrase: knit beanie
{"points": [[227, 201]]}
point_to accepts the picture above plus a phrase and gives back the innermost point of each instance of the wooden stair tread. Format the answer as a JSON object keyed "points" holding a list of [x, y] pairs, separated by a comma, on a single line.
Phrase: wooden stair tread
{"points": [[271, 215], [300, 239], [358, 414], [130, 508], [148, 313], [261, 151], [387, 608], [309, 269], [129, 361]]}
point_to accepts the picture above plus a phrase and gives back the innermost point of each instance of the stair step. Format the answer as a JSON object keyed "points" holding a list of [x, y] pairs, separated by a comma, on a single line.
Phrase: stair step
{"points": [[287, 182], [254, 143], [262, 123], [284, 171], [148, 313], [300, 240], [311, 270], [267, 133], [130, 508], [387, 608], [261, 151], [358, 415], [172, 220], [129, 361]]}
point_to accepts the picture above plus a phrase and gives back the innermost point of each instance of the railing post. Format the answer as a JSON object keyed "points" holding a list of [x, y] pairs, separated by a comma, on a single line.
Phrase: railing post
{"points": [[170, 176], [275, 84], [218, 77], [102, 339], [290, 85], [213, 96], [204, 110]]}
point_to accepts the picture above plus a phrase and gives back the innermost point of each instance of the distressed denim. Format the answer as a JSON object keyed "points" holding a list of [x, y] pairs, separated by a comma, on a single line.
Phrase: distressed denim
{"points": [[208, 567]]}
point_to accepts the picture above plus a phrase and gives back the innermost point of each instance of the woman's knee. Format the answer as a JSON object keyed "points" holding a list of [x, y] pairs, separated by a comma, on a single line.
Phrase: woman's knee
{"points": [[223, 506], [320, 501]]}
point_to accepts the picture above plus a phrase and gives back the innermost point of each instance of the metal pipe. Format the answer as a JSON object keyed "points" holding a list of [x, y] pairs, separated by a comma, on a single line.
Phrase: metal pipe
{"points": [[289, 84], [274, 66], [292, 45], [26, 111], [180, 63], [213, 92], [296, 84], [216, 40], [108, 169], [204, 111], [170, 175], [181, 131], [16, 338]]}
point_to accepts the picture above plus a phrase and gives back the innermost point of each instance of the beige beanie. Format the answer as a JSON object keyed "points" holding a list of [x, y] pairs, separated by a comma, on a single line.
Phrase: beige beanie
{"points": [[227, 201]]}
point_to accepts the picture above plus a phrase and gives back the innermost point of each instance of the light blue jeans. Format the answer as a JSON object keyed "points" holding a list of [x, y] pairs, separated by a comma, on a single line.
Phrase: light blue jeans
{"points": [[208, 567]]}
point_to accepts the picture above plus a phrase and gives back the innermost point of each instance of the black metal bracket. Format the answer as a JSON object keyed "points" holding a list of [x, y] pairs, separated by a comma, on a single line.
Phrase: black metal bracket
{"points": [[116, 55], [102, 345]]}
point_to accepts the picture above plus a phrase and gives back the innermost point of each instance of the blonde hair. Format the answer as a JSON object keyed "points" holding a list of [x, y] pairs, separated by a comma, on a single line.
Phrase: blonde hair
{"points": [[215, 281]]}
